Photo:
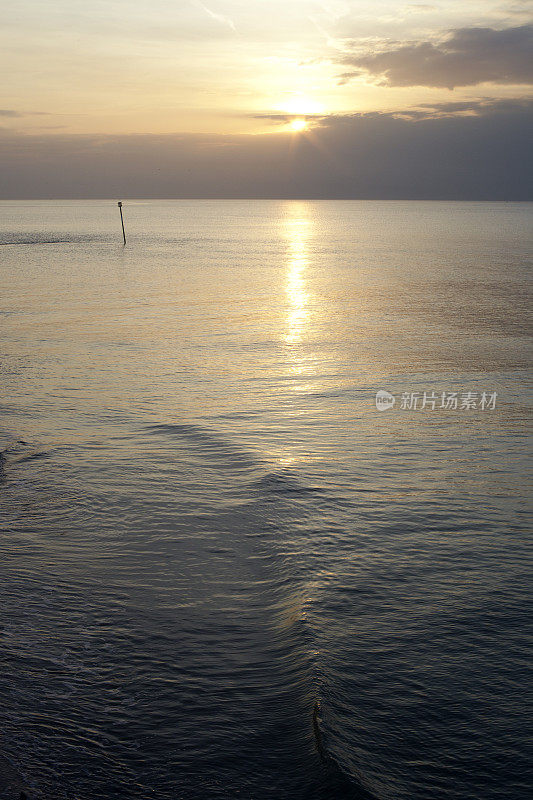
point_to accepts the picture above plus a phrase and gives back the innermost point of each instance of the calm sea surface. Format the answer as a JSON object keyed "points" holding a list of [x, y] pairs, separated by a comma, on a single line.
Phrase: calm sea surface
{"points": [[224, 573]]}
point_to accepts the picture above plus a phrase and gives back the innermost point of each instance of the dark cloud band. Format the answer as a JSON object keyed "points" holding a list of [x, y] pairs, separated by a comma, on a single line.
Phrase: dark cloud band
{"points": [[466, 57], [453, 151]]}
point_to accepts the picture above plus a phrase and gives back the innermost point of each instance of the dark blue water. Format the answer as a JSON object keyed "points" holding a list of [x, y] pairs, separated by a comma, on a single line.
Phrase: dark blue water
{"points": [[224, 572]]}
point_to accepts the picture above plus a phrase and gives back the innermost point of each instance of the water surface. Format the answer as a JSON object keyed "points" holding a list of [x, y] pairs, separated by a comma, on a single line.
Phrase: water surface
{"points": [[224, 573]]}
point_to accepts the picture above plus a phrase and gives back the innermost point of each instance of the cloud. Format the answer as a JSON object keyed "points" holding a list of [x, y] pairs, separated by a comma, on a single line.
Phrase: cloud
{"points": [[517, 9], [346, 77], [482, 107], [473, 108], [465, 57], [283, 117], [12, 113], [420, 8], [217, 17], [475, 150]]}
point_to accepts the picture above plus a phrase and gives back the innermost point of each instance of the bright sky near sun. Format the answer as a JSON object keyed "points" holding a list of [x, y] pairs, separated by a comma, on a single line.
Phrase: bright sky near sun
{"points": [[156, 66]]}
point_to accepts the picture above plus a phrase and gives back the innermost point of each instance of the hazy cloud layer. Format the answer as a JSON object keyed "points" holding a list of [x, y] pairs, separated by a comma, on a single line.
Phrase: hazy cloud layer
{"points": [[483, 107], [454, 151], [12, 113], [466, 57]]}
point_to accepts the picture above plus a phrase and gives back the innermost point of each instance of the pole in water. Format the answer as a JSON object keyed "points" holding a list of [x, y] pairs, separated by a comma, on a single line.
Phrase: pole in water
{"points": [[122, 220]]}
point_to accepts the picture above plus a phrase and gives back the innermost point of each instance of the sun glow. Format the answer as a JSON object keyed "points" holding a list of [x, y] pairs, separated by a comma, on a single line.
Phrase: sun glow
{"points": [[299, 104], [298, 125]]}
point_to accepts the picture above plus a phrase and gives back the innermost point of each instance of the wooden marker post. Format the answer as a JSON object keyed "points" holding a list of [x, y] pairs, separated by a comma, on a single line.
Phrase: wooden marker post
{"points": [[122, 220]]}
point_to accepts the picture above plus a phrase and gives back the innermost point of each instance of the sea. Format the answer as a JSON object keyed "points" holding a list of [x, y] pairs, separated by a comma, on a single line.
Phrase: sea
{"points": [[228, 567]]}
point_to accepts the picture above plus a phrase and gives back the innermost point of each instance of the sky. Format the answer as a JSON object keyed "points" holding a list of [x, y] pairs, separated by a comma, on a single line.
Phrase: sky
{"points": [[174, 86]]}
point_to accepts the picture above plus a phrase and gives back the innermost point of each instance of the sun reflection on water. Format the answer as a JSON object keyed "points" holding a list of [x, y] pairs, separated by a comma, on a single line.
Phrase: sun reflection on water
{"points": [[298, 226], [297, 231]]}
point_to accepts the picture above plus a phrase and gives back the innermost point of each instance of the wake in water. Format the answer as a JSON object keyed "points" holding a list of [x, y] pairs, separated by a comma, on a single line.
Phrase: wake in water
{"points": [[348, 787], [12, 239], [269, 498], [256, 685]]}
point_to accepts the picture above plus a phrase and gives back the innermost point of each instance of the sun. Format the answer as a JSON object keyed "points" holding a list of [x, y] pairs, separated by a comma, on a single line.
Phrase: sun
{"points": [[298, 125]]}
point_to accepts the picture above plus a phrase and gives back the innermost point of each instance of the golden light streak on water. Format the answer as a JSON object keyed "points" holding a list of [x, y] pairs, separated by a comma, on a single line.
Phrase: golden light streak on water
{"points": [[298, 229]]}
